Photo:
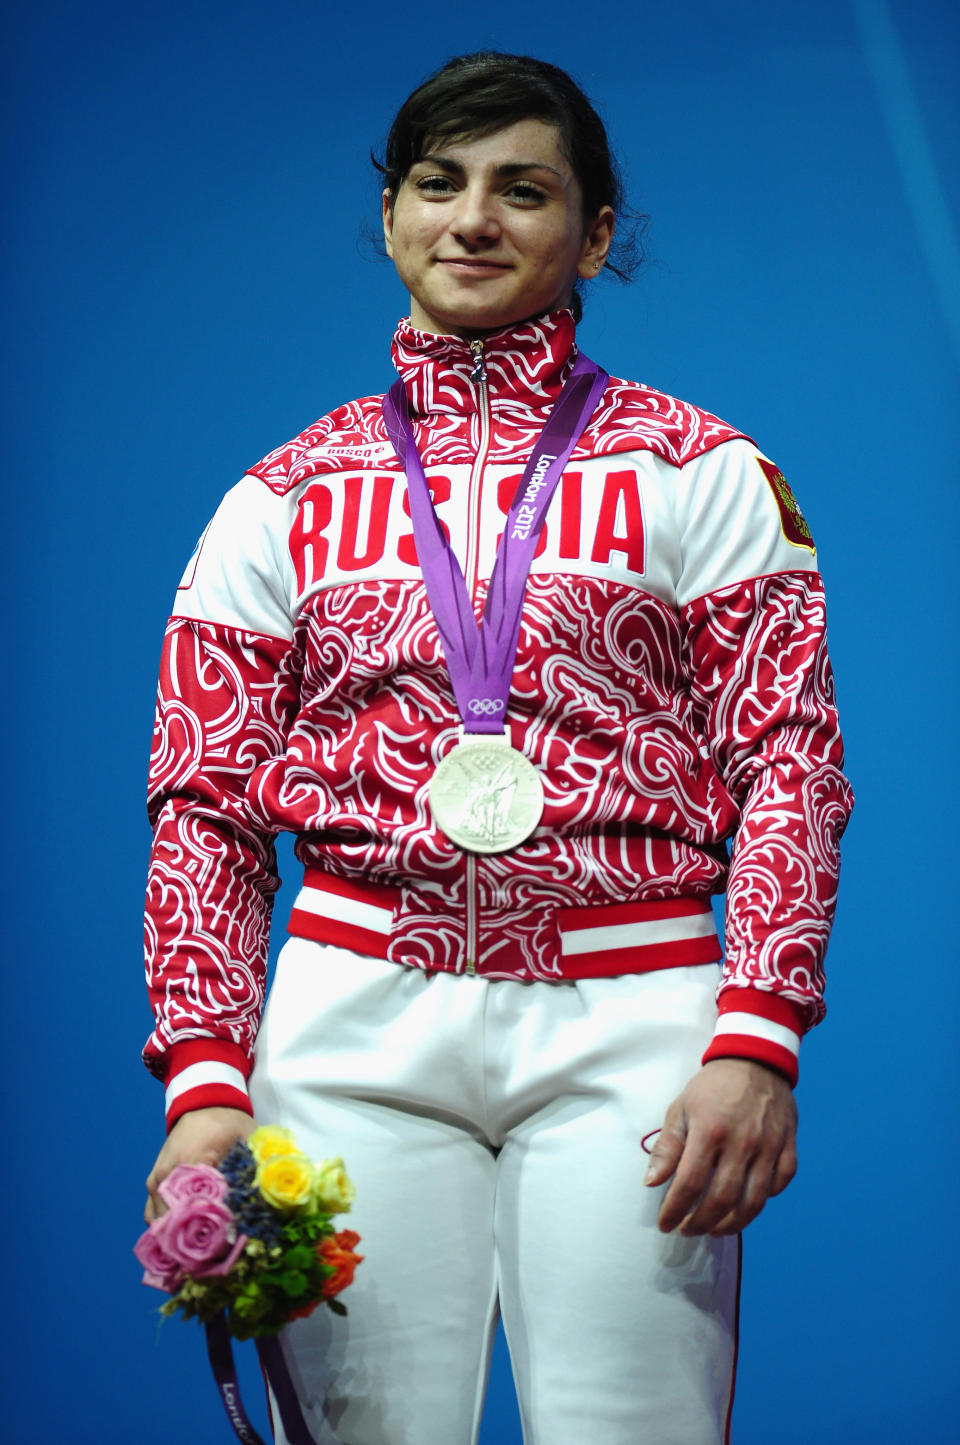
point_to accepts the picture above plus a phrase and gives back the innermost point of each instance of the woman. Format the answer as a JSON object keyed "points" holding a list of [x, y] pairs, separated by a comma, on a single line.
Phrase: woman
{"points": [[503, 969]]}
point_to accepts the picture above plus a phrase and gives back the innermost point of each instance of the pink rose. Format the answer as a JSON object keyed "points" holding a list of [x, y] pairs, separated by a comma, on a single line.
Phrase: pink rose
{"points": [[225, 1265], [159, 1270], [193, 1181], [198, 1235]]}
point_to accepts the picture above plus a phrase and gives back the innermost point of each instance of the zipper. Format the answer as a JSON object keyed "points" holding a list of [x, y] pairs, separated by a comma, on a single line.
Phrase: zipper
{"points": [[471, 929], [478, 379]]}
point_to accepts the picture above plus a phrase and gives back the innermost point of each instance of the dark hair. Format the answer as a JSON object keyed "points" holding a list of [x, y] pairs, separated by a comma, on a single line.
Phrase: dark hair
{"points": [[475, 95]]}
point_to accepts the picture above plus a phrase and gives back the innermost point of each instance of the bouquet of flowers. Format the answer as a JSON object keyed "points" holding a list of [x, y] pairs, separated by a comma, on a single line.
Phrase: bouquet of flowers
{"points": [[253, 1237], [250, 1246]]}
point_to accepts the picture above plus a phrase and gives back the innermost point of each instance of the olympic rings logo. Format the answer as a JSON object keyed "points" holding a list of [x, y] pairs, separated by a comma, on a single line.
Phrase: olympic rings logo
{"points": [[486, 705]]}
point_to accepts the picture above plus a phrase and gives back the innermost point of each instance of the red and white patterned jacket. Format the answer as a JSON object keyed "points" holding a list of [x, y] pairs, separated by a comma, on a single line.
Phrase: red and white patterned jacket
{"points": [[672, 685]]}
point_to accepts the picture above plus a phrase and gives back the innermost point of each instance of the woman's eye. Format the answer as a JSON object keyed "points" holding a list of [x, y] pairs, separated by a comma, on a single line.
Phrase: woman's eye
{"points": [[524, 191], [435, 185]]}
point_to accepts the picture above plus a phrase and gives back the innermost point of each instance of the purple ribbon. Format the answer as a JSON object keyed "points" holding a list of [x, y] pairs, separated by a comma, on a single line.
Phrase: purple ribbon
{"points": [[274, 1367], [481, 660]]}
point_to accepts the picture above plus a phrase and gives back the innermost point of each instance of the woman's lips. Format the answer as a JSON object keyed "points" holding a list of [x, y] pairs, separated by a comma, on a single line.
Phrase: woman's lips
{"points": [[462, 267]]}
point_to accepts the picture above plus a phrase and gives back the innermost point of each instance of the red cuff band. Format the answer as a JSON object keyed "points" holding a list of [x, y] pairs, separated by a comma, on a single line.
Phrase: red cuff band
{"points": [[755, 1025]]}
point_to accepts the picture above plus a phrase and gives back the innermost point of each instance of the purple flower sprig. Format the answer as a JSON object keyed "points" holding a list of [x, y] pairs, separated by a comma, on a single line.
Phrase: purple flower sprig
{"points": [[238, 1165], [252, 1213]]}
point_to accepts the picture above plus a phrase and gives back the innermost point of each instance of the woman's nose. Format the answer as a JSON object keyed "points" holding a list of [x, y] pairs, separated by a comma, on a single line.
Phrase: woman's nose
{"points": [[474, 220]]}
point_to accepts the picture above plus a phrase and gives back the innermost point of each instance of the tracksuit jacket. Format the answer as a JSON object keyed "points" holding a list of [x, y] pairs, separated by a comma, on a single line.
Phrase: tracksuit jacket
{"points": [[671, 685]]}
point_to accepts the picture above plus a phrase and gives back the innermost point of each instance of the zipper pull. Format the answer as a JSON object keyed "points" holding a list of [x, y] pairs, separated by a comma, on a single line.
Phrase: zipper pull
{"points": [[479, 373]]}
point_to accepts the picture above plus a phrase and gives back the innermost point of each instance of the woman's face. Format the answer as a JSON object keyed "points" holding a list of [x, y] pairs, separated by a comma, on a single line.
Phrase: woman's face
{"points": [[487, 232]]}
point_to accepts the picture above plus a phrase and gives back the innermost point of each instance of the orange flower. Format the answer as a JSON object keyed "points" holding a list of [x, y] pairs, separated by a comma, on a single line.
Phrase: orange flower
{"points": [[339, 1252], [302, 1312]]}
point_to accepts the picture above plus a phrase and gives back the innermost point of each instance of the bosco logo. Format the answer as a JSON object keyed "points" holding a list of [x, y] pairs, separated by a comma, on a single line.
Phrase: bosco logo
{"points": [[485, 706]]}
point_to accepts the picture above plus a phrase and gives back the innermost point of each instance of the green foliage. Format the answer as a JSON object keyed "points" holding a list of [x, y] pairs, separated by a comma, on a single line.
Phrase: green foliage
{"points": [[265, 1285]]}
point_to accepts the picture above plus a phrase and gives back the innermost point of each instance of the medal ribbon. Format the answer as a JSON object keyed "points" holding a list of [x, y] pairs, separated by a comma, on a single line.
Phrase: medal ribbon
{"points": [[481, 660]]}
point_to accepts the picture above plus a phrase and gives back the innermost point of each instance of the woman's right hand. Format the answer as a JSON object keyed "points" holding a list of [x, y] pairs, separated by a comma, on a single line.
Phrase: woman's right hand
{"points": [[201, 1137]]}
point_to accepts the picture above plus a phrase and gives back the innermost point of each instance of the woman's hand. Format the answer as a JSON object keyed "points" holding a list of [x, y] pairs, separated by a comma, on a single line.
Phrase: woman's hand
{"points": [[201, 1137], [729, 1140]]}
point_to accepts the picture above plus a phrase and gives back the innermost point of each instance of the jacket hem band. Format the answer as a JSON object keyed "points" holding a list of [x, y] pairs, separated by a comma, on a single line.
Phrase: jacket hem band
{"points": [[596, 941]]}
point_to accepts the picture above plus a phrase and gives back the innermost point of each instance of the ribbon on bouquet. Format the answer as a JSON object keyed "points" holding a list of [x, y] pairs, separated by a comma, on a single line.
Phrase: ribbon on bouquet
{"points": [[274, 1367]]}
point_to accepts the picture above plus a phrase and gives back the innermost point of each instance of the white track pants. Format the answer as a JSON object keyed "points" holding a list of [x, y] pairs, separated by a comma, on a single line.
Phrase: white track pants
{"points": [[493, 1131]]}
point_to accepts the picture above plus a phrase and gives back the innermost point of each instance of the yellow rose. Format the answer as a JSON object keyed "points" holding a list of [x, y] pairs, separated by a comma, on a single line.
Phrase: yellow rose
{"points": [[335, 1191], [270, 1140], [287, 1181]]}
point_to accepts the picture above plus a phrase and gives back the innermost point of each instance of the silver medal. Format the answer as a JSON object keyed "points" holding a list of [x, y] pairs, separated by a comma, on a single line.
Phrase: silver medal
{"points": [[485, 795]]}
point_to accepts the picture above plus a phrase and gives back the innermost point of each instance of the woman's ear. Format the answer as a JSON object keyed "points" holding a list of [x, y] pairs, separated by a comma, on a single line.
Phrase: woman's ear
{"points": [[596, 243], [388, 221]]}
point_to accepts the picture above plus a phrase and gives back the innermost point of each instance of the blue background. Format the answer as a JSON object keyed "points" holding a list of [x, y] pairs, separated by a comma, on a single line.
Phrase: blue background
{"points": [[186, 286]]}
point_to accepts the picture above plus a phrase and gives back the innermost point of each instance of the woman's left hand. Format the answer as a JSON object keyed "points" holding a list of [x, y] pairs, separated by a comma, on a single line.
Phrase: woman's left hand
{"points": [[729, 1140]]}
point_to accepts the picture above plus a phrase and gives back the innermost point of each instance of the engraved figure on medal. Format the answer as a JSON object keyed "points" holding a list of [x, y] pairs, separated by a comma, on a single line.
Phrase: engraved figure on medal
{"points": [[487, 815]]}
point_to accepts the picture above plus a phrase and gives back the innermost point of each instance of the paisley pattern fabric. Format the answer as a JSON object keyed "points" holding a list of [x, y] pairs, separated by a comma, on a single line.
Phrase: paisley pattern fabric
{"points": [[672, 686]]}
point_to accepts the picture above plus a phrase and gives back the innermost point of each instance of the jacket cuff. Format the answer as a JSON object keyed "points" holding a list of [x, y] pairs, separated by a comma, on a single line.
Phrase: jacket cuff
{"points": [[762, 1026], [206, 1073]]}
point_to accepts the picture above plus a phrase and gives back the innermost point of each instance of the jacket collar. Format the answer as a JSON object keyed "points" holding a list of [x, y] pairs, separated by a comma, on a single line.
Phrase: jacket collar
{"points": [[525, 366]]}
